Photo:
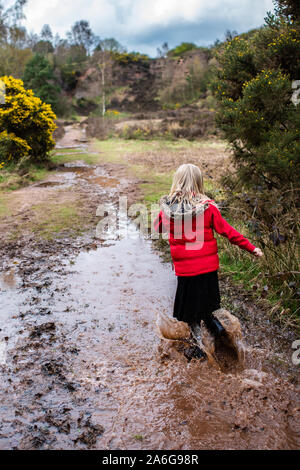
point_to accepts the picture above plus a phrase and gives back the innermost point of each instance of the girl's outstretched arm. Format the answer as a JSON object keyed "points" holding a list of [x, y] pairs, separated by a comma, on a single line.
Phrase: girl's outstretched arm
{"points": [[222, 227]]}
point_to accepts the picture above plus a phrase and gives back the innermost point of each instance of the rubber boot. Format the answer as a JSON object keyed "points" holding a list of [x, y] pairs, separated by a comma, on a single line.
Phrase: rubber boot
{"points": [[194, 352], [215, 326]]}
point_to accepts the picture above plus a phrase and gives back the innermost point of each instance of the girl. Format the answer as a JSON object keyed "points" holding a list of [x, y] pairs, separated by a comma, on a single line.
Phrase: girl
{"points": [[194, 250]]}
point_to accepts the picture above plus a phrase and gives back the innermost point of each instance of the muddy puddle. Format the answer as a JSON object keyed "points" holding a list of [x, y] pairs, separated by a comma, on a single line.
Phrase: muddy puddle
{"points": [[83, 365], [86, 368], [70, 174]]}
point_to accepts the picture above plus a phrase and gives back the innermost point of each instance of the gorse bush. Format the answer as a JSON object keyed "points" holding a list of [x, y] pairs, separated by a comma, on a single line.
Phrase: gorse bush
{"points": [[263, 127], [254, 87], [26, 124], [254, 90], [12, 148], [124, 58]]}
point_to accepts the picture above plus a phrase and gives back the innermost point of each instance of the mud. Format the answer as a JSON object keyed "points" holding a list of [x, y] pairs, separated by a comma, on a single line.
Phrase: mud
{"points": [[86, 186], [73, 137], [86, 368], [83, 366]]}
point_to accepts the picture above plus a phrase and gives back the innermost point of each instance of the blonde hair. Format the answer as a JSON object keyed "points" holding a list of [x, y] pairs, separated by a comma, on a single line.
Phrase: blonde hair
{"points": [[187, 183]]}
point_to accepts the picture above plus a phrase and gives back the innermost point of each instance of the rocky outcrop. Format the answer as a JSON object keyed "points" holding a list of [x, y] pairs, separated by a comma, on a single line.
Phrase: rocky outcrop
{"points": [[134, 86]]}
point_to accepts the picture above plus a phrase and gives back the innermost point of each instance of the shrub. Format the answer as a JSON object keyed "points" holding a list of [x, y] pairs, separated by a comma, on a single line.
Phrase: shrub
{"points": [[263, 128], [124, 58], [182, 49], [256, 113], [27, 124], [271, 220], [12, 148], [254, 90]]}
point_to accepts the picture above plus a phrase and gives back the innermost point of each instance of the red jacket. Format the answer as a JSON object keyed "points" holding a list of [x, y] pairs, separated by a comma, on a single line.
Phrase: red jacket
{"points": [[203, 259]]}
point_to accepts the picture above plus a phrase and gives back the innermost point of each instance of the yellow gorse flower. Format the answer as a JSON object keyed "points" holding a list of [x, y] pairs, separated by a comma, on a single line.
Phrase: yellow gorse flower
{"points": [[29, 120]]}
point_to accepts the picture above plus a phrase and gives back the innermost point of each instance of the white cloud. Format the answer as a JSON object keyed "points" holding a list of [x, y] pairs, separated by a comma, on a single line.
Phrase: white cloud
{"points": [[133, 21]]}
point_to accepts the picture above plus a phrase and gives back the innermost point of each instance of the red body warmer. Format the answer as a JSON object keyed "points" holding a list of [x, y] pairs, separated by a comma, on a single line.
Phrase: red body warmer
{"points": [[191, 262]]}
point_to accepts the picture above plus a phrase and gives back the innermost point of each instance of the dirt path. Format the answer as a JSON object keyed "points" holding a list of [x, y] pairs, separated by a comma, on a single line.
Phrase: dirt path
{"points": [[85, 367]]}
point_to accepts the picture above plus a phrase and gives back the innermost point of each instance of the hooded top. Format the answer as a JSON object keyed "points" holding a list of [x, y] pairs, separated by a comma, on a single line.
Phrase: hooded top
{"points": [[190, 227], [175, 209]]}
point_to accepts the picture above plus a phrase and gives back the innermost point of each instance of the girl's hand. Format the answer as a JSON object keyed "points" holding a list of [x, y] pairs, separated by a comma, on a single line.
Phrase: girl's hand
{"points": [[257, 252]]}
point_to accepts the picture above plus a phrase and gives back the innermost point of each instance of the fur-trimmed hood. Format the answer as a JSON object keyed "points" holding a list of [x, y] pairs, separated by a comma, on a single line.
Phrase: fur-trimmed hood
{"points": [[176, 209]]}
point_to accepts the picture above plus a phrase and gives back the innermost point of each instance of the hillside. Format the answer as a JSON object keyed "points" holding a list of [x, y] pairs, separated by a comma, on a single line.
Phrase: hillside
{"points": [[154, 96], [137, 85]]}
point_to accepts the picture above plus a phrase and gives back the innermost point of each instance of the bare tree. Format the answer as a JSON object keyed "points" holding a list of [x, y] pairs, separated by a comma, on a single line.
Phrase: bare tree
{"points": [[15, 12], [111, 44], [104, 62], [32, 39], [46, 33], [82, 35], [10, 29], [163, 51]]}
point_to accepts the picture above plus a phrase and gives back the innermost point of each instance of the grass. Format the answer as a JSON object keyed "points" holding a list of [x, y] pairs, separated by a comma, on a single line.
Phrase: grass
{"points": [[111, 114], [4, 209], [48, 220], [157, 187], [71, 155], [51, 219], [261, 277], [156, 181], [241, 267], [115, 149], [11, 179], [60, 214]]}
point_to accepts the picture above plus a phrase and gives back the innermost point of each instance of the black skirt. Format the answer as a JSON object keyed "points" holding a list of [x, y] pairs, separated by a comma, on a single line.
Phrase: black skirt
{"points": [[196, 297]]}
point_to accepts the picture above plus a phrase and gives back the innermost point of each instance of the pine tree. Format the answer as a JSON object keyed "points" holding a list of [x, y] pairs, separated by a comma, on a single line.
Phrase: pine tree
{"points": [[39, 76]]}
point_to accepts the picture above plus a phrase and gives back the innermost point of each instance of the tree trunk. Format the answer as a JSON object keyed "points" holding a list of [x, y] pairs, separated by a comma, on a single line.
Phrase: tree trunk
{"points": [[103, 87]]}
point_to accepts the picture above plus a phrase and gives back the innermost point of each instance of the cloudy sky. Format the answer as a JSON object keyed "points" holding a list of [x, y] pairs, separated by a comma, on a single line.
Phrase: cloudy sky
{"points": [[143, 25]]}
